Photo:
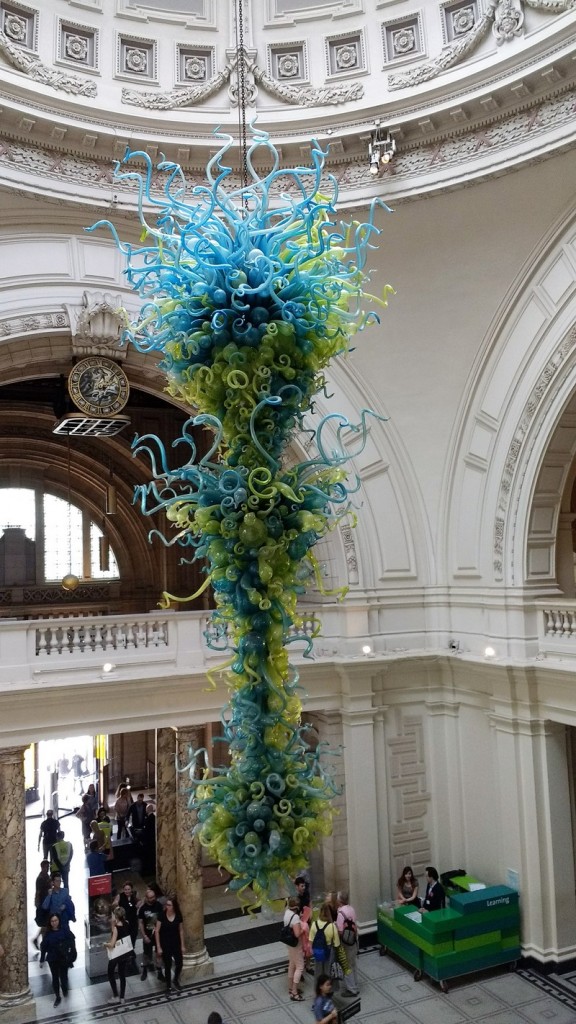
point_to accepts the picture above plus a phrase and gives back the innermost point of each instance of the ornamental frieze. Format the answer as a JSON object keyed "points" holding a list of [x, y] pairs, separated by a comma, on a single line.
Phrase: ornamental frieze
{"points": [[413, 161]]}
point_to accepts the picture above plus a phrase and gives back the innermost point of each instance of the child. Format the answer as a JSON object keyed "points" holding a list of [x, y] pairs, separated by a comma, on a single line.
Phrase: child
{"points": [[323, 1008]]}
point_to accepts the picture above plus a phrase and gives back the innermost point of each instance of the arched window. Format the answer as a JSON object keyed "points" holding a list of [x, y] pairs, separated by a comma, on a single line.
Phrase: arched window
{"points": [[67, 536]]}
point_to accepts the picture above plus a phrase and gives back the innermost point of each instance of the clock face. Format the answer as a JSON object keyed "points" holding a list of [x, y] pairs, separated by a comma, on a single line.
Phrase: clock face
{"points": [[98, 386]]}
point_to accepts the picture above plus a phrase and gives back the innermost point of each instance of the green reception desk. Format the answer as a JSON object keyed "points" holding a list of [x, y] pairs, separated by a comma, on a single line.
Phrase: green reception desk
{"points": [[479, 929]]}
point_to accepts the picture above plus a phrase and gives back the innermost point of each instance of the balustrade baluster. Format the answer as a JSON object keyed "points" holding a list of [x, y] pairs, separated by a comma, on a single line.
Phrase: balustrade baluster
{"points": [[42, 642], [70, 638]]}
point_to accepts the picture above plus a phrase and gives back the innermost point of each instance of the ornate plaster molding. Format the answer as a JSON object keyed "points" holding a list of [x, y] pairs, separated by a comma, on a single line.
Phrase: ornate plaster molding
{"points": [[447, 59], [417, 167], [97, 325], [510, 465], [47, 321], [507, 20], [553, 6], [39, 72], [303, 96], [177, 98]]}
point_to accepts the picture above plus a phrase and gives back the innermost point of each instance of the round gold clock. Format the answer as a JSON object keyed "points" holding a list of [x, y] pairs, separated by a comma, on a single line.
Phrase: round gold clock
{"points": [[98, 386]]}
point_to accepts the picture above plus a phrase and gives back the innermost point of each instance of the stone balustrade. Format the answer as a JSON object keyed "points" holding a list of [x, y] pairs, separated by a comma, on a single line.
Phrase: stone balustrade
{"points": [[83, 649], [557, 629]]}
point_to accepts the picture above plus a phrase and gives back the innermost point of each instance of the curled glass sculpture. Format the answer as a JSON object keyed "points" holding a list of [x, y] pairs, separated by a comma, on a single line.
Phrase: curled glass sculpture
{"points": [[248, 293]]}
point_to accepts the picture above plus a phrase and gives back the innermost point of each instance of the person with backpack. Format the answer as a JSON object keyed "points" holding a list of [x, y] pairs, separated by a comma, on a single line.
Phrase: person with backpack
{"points": [[347, 926], [291, 934], [324, 939]]}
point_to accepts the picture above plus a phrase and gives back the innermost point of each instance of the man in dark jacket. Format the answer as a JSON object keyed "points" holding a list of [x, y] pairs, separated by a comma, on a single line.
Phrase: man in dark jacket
{"points": [[435, 897]]}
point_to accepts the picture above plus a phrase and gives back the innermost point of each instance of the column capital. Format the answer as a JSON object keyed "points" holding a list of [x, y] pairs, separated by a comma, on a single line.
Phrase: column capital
{"points": [[12, 755]]}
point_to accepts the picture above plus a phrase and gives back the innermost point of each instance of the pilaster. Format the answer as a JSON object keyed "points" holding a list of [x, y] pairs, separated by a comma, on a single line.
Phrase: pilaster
{"points": [[189, 882], [166, 824], [16, 1000], [363, 769]]}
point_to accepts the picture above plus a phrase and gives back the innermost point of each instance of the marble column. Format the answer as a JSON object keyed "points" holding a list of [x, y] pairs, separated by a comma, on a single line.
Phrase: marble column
{"points": [[16, 1002], [189, 884], [166, 810]]}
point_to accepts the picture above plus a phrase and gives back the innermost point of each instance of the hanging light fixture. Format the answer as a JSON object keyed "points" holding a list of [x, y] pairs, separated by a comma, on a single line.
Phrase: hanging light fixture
{"points": [[111, 496], [104, 552], [381, 149], [70, 582]]}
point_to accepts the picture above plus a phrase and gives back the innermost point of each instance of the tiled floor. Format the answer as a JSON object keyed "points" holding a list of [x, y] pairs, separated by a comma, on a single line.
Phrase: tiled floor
{"points": [[249, 984]]}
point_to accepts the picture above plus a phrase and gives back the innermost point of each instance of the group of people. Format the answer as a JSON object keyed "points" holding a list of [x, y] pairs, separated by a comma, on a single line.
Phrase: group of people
{"points": [[407, 890], [135, 819], [328, 939], [158, 920], [55, 941], [54, 909]]}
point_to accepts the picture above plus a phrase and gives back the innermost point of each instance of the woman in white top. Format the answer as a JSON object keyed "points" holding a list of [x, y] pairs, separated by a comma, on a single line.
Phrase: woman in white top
{"points": [[295, 953]]}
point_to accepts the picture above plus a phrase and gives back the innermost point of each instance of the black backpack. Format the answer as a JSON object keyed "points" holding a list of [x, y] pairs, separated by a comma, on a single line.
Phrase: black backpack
{"points": [[66, 950], [319, 944], [349, 932], [287, 933]]}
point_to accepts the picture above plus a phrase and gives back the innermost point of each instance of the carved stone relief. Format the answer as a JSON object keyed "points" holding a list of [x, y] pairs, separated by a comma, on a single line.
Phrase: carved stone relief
{"points": [[410, 841], [98, 324], [508, 21], [48, 321]]}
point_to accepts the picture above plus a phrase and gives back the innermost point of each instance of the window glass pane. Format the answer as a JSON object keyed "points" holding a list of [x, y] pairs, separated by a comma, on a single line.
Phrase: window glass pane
{"points": [[95, 571], [17, 509], [62, 538]]}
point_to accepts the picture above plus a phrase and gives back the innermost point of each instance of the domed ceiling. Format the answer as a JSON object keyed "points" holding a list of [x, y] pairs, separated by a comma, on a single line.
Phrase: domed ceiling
{"points": [[464, 89]]}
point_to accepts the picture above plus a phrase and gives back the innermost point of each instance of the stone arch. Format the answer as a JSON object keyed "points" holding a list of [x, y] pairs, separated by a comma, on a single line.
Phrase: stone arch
{"points": [[42, 292], [513, 453]]}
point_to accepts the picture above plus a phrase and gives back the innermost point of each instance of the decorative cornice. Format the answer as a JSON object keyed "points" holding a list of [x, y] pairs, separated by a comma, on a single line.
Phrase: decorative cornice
{"points": [[33, 67], [460, 152]]}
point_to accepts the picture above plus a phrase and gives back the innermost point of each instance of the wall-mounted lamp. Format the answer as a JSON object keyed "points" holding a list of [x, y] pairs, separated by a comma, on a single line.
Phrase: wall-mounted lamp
{"points": [[381, 149], [489, 652]]}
